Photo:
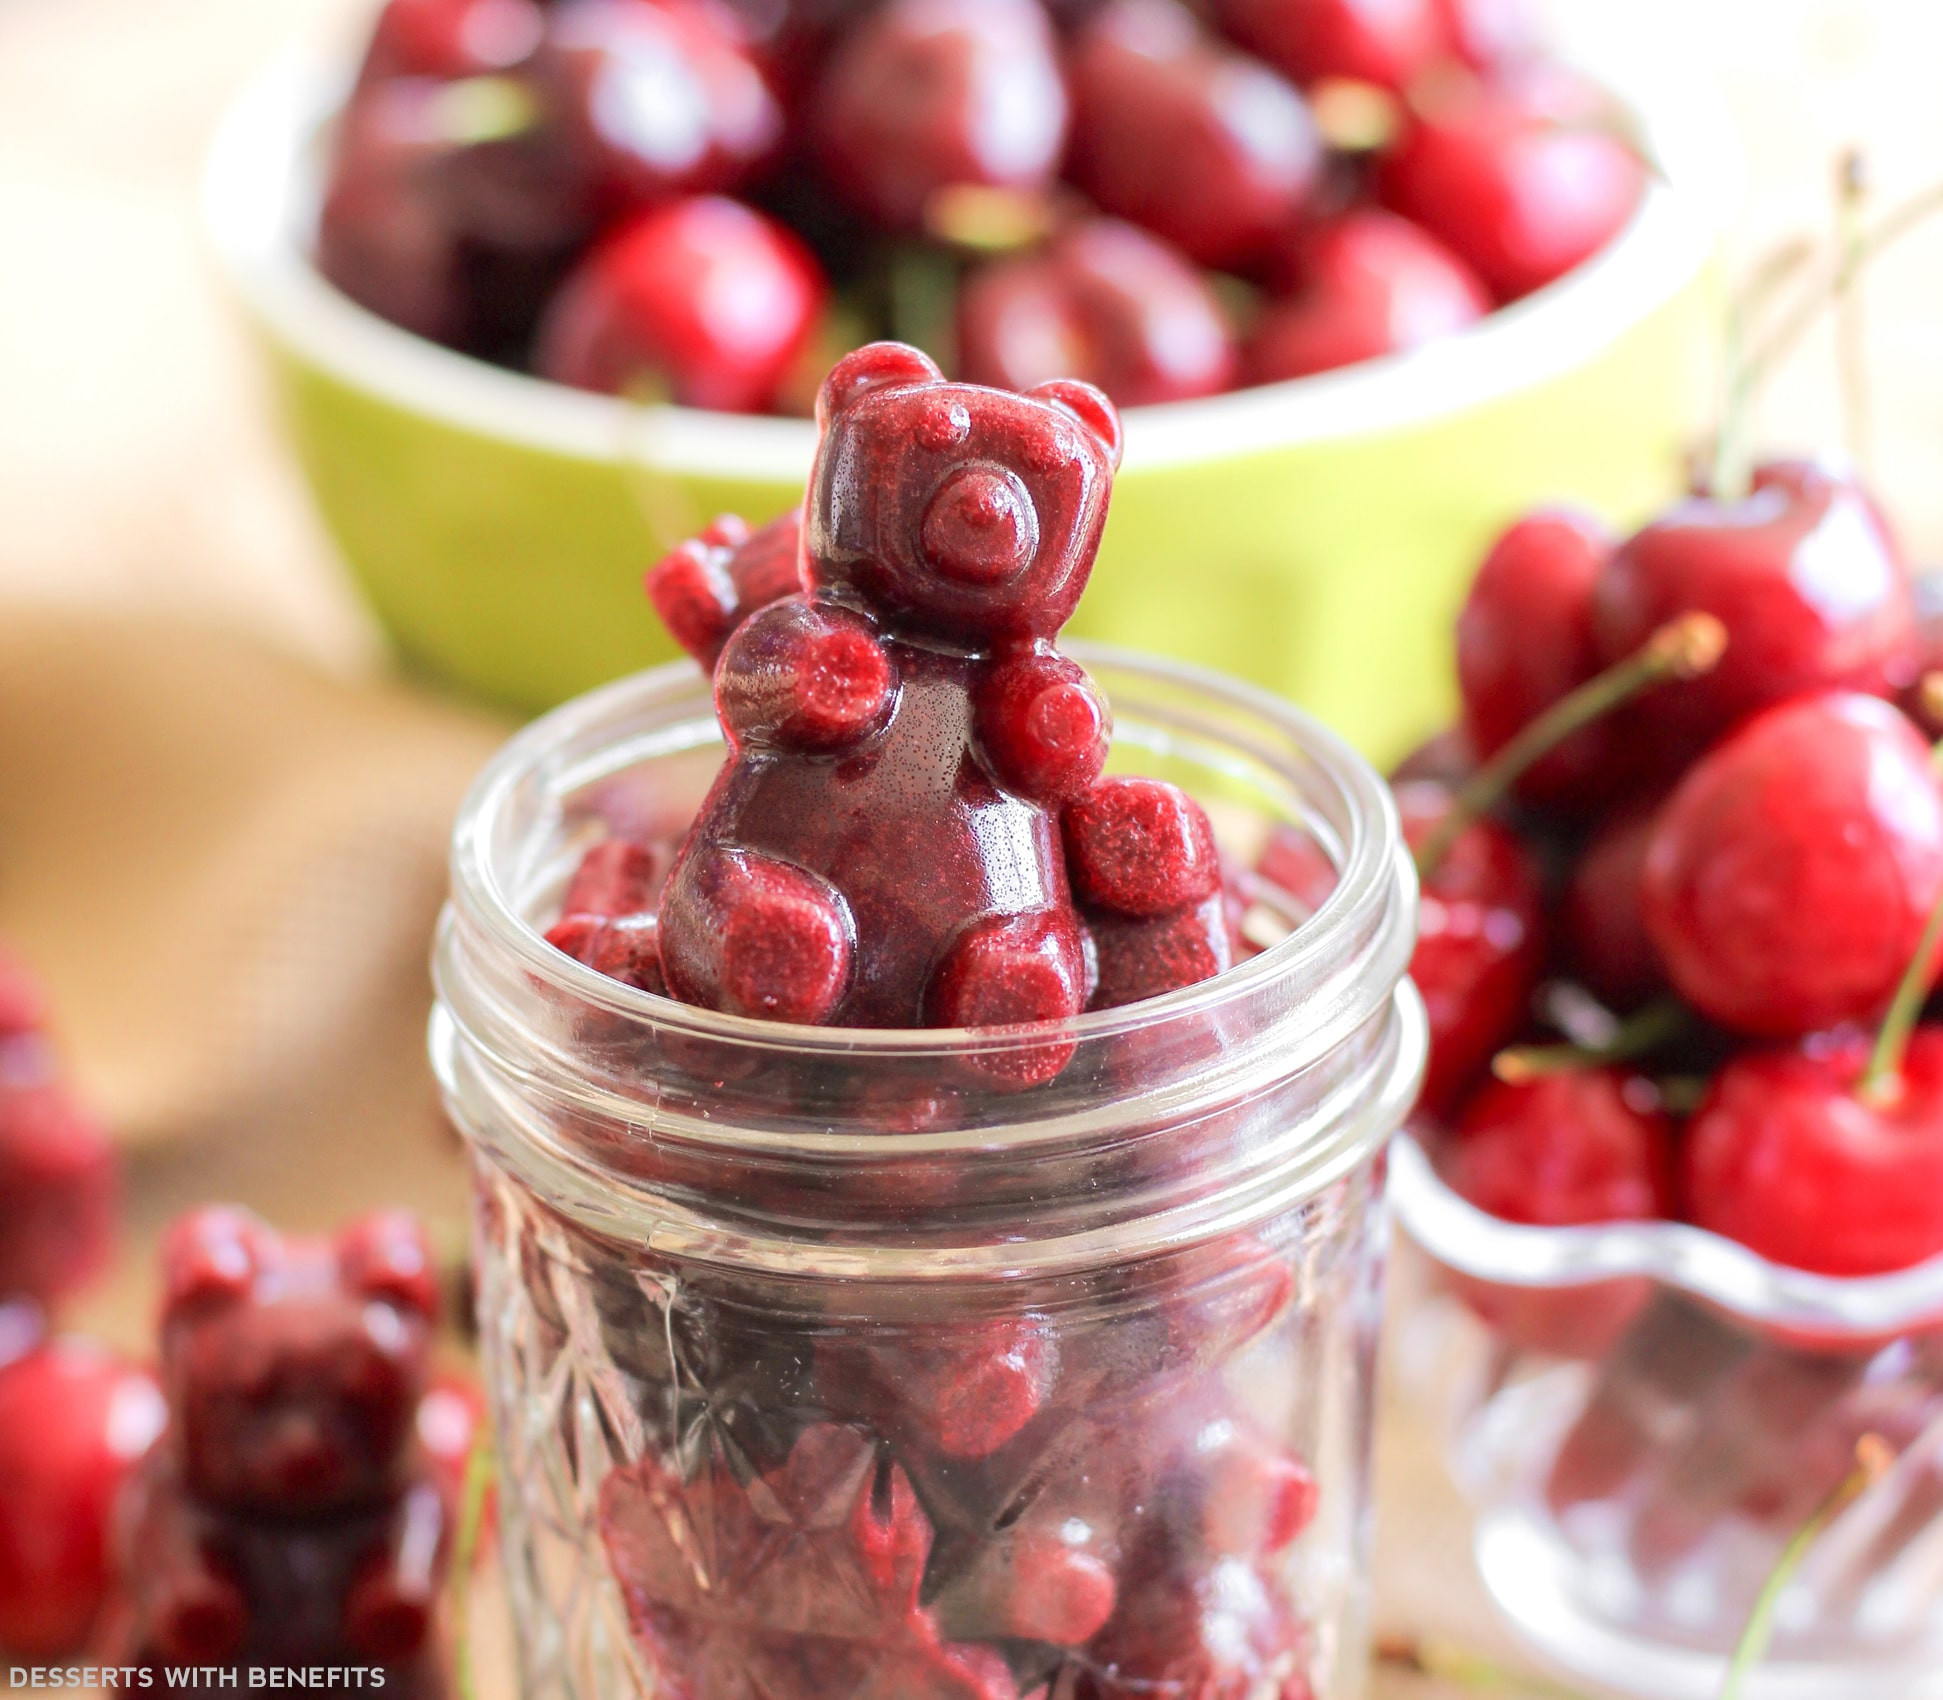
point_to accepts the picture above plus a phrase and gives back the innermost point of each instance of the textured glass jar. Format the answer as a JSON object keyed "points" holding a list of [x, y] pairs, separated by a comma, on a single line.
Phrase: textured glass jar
{"points": [[1645, 1414], [824, 1369]]}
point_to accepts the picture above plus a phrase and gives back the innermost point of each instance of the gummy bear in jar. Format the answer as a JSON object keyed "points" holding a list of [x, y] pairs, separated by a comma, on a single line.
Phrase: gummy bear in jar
{"points": [[830, 1362]]}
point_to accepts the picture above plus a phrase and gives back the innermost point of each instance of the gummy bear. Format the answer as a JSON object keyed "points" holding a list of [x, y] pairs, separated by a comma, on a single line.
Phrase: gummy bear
{"points": [[880, 848], [289, 1515]]}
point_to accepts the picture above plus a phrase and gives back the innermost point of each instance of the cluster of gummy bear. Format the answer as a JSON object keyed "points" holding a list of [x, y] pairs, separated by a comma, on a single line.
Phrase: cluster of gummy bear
{"points": [[912, 827], [290, 1515], [986, 1504], [687, 197], [74, 1417]]}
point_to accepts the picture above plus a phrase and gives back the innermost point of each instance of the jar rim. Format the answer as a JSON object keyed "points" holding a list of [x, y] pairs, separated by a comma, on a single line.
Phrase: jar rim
{"points": [[1373, 861]]}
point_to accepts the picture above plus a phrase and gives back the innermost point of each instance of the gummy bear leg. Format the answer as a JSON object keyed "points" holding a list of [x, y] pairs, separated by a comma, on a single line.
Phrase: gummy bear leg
{"points": [[751, 935], [1009, 969]]}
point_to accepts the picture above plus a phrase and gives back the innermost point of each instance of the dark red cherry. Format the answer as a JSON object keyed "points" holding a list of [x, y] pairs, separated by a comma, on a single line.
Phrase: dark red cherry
{"points": [[1785, 1156], [1107, 303], [1176, 131], [1802, 574], [1602, 920], [448, 213], [59, 1187], [1480, 942], [1519, 195], [654, 98], [1387, 42], [74, 1421], [1790, 876], [704, 302], [1585, 1145], [449, 39], [1525, 639], [1370, 284], [926, 95]]}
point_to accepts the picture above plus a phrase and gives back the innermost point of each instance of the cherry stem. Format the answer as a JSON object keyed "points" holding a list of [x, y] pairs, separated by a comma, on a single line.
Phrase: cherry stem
{"points": [[1681, 649], [1751, 372], [1851, 361], [465, 1548], [1646, 1030], [1873, 1458], [1883, 1077]]}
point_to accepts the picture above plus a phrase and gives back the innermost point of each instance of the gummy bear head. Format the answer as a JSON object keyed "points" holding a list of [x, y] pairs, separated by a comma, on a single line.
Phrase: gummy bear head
{"points": [[293, 1367], [953, 511]]}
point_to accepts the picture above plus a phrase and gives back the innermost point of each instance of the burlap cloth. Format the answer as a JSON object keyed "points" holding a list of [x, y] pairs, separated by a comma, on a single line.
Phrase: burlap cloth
{"points": [[222, 829]]}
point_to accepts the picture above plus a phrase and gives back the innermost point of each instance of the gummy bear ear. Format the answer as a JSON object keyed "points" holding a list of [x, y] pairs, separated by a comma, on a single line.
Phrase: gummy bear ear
{"points": [[1090, 407], [385, 1255], [214, 1255], [872, 367]]}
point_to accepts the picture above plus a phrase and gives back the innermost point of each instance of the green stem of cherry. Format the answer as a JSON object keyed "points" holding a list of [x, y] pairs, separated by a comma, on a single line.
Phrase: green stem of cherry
{"points": [[1681, 649], [1638, 1034], [1882, 1080]]}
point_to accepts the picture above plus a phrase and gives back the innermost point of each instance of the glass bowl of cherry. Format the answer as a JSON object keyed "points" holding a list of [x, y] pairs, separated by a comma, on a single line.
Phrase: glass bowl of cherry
{"points": [[1674, 1195], [544, 281]]}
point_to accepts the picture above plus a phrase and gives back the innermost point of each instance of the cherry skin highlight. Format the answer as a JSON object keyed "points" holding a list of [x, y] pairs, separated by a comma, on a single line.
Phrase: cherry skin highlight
{"points": [[1386, 42], [1790, 876]]}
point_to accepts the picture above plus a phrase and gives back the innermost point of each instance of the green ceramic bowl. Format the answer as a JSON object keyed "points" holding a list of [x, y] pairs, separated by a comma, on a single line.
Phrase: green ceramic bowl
{"points": [[1313, 536]]}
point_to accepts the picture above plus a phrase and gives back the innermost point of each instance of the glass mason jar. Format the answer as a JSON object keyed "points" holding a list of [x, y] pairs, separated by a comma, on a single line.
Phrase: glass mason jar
{"points": [[825, 1366], [1647, 1415]]}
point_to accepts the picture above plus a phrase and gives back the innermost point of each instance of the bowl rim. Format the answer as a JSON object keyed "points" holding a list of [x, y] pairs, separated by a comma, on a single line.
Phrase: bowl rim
{"points": [[260, 192], [1706, 1266]]}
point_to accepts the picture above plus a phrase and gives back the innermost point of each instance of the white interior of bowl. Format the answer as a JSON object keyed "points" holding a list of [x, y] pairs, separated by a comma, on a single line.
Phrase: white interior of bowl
{"points": [[1675, 1255], [261, 192]]}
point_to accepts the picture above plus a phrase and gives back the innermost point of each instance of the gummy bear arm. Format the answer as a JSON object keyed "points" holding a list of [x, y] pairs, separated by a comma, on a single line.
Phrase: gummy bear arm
{"points": [[185, 1602], [804, 675], [1044, 726]]}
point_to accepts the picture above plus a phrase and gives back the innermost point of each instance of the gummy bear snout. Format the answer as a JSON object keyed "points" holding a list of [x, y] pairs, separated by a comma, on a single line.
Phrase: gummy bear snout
{"points": [[981, 528]]}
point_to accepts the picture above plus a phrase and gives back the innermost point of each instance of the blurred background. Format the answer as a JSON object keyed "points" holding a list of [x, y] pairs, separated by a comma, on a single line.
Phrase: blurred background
{"points": [[222, 817]]}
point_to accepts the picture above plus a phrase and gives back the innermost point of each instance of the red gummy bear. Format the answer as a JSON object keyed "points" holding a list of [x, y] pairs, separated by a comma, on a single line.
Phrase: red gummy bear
{"points": [[798, 1584], [908, 711], [289, 1517]]}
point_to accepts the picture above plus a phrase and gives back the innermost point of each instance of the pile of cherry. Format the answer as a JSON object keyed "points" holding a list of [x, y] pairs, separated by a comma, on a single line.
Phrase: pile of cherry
{"points": [[280, 1490], [709, 200], [1728, 886]]}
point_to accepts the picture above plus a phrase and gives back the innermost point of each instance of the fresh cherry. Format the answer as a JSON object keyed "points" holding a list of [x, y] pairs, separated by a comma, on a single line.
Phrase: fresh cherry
{"points": [[1561, 1150], [1524, 640], [1602, 922], [449, 39], [926, 95], [1176, 131], [1490, 35], [1802, 573], [1789, 877], [702, 301], [1788, 1156], [1106, 303], [653, 99], [58, 1179], [1520, 196], [74, 1421], [1370, 284], [1387, 42], [1480, 942]]}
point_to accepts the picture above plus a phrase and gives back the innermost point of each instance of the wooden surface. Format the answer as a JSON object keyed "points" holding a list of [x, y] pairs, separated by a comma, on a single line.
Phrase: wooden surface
{"points": [[140, 474]]}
